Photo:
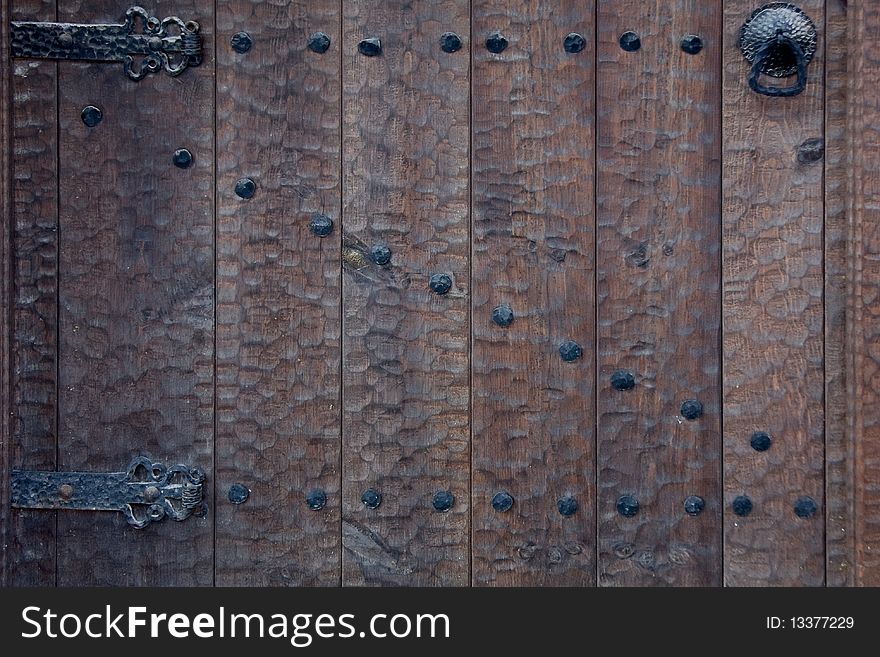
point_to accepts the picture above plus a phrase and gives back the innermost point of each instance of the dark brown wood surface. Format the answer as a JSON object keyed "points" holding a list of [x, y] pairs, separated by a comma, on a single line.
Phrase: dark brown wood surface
{"points": [[405, 397], [839, 522], [863, 298], [533, 251], [136, 300], [772, 320], [658, 301], [35, 300], [278, 293]]}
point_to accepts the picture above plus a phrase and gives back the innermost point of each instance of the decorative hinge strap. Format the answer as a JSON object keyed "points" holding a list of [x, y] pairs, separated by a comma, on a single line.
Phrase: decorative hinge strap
{"points": [[147, 492], [141, 35]]}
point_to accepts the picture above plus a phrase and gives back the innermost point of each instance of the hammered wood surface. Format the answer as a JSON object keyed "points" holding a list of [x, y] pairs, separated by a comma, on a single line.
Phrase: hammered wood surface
{"points": [[35, 284], [135, 300], [533, 251], [622, 194], [278, 288], [405, 396], [772, 321]]}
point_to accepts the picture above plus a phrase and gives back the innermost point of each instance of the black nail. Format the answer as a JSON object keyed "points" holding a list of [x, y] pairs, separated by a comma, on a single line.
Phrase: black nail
{"points": [[245, 188], [691, 409], [443, 500], [241, 42], [761, 441], [496, 43], [450, 42], [812, 150], [316, 499], [502, 501], [91, 115], [502, 315], [574, 42], [805, 507], [623, 380], [380, 254], [694, 504], [440, 283], [627, 506], [319, 43], [321, 225], [691, 44], [567, 506], [238, 493], [370, 47], [371, 498], [570, 351], [630, 41], [742, 505], [182, 158]]}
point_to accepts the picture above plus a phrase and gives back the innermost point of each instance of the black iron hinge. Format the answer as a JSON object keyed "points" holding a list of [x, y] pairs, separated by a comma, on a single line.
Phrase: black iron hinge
{"points": [[146, 492], [170, 44]]}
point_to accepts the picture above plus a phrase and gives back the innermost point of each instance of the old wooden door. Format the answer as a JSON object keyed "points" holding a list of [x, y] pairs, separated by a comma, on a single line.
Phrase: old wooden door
{"points": [[489, 292]]}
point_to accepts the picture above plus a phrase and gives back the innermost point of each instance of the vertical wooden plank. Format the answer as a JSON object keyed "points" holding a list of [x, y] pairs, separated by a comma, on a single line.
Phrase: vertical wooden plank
{"points": [[533, 253], [35, 296], [658, 161], [839, 491], [278, 294], [136, 299], [863, 298], [405, 348], [6, 556], [772, 322]]}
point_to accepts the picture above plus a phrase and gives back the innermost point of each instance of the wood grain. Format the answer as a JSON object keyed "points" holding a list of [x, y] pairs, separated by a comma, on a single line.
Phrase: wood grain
{"points": [[772, 318], [34, 338], [863, 290], [658, 162], [839, 480], [6, 295], [278, 295], [136, 300], [533, 251], [405, 349]]}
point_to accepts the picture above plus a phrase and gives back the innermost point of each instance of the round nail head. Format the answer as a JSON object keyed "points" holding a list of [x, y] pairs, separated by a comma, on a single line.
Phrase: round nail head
{"points": [[182, 158], [742, 505], [805, 507], [245, 188], [91, 115], [319, 43], [440, 283], [627, 506], [623, 380], [502, 315], [316, 499], [502, 501], [380, 254], [238, 493], [450, 42], [371, 498], [443, 500], [691, 44], [694, 504], [761, 441], [321, 225], [691, 409], [630, 41], [496, 43], [241, 42], [570, 351], [567, 506], [574, 43], [371, 47]]}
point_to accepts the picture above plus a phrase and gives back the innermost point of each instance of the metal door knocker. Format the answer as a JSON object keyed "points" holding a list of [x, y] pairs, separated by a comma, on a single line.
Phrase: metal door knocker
{"points": [[779, 40]]}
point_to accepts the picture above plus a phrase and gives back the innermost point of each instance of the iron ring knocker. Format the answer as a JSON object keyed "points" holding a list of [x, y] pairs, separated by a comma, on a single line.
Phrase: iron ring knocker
{"points": [[782, 40]]}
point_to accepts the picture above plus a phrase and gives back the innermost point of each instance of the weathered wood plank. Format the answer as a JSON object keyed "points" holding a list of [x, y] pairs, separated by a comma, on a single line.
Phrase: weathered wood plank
{"points": [[405, 348], [772, 318], [136, 299], [658, 162], [533, 254], [839, 533], [35, 296], [6, 294], [278, 295], [863, 297]]}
